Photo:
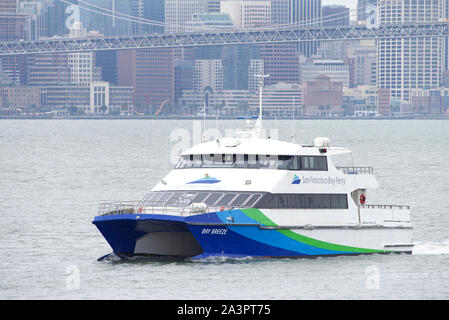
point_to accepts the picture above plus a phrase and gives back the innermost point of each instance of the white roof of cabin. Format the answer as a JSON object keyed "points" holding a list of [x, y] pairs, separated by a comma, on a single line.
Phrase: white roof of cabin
{"points": [[253, 146]]}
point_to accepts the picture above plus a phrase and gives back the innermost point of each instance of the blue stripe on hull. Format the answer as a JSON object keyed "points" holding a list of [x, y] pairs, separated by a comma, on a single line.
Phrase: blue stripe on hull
{"points": [[234, 244]]}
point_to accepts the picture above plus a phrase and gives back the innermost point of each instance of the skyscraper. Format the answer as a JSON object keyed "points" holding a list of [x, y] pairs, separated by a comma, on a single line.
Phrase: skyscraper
{"points": [[148, 9], [306, 13], [404, 64], [364, 8], [177, 13]]}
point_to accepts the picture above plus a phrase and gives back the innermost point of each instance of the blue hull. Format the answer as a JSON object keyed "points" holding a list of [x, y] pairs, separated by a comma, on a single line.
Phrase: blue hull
{"points": [[235, 233], [147, 234]]}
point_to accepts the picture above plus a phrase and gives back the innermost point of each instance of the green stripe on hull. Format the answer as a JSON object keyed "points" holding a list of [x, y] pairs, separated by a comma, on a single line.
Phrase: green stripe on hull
{"points": [[257, 215]]}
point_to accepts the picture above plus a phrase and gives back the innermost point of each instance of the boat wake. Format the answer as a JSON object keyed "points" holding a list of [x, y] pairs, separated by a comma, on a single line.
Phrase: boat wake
{"points": [[112, 257], [431, 248]]}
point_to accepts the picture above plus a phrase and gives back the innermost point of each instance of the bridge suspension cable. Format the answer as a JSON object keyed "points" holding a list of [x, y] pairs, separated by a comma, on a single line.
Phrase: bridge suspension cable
{"points": [[130, 18]]}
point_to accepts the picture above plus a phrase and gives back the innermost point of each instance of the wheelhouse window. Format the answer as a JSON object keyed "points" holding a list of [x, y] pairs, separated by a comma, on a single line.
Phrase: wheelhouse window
{"points": [[253, 161]]}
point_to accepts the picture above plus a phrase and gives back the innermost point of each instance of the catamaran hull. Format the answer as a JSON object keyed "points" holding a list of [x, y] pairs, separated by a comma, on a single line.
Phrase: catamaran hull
{"points": [[148, 235], [213, 234]]}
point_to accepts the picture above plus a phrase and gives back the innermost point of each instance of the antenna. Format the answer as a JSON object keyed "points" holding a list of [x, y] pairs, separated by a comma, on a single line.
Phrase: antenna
{"points": [[258, 124], [294, 123]]}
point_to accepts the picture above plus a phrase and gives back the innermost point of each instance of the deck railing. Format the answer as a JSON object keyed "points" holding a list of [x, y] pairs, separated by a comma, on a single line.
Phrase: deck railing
{"points": [[137, 207], [385, 206], [356, 170]]}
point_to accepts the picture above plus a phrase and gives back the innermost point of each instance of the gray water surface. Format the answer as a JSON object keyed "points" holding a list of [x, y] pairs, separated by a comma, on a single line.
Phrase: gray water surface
{"points": [[54, 174]]}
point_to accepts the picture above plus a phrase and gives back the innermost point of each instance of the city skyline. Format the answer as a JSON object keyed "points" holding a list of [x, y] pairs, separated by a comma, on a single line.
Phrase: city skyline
{"points": [[369, 78]]}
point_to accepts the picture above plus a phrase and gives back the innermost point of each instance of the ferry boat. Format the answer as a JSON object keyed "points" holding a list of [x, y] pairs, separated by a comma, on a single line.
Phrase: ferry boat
{"points": [[248, 196]]}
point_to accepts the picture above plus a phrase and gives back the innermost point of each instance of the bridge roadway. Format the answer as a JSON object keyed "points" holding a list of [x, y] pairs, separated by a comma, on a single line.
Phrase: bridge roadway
{"points": [[236, 37]]}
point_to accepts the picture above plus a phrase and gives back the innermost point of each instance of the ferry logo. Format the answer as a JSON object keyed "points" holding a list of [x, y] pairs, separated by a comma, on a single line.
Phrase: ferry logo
{"points": [[205, 179], [296, 180]]}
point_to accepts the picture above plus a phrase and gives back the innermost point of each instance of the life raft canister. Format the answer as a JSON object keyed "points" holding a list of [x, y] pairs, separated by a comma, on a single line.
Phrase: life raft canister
{"points": [[362, 199]]}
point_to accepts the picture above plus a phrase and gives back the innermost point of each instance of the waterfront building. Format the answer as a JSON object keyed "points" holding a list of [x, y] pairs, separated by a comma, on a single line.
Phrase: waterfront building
{"points": [[336, 70], [19, 97], [322, 97], [223, 102], [429, 101], [97, 98], [409, 63], [280, 100], [360, 101], [384, 102]]}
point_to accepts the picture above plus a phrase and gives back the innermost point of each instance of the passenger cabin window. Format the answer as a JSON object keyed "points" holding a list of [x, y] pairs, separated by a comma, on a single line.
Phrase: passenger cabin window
{"points": [[262, 200], [279, 162]]}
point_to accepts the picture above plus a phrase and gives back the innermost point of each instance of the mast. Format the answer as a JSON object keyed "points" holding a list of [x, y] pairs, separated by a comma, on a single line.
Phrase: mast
{"points": [[258, 124]]}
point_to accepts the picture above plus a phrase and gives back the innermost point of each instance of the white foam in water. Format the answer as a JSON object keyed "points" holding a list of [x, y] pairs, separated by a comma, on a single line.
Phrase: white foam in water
{"points": [[431, 247]]}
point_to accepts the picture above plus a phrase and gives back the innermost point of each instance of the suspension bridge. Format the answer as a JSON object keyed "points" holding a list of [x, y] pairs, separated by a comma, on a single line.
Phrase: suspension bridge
{"points": [[236, 37]]}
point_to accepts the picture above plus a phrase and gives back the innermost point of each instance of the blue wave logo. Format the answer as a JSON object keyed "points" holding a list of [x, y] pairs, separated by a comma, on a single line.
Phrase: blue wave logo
{"points": [[296, 180], [206, 179]]}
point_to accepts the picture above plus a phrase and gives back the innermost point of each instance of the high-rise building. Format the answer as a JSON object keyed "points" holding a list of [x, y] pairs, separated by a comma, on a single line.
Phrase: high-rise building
{"points": [[236, 62], [256, 67], [49, 69], [57, 18], [208, 73], [8, 6], [365, 62], [281, 62], [335, 15], [306, 13], [82, 64], [153, 10], [247, 14], [279, 12], [14, 26], [177, 13], [364, 9], [108, 23], [404, 64], [151, 73]]}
